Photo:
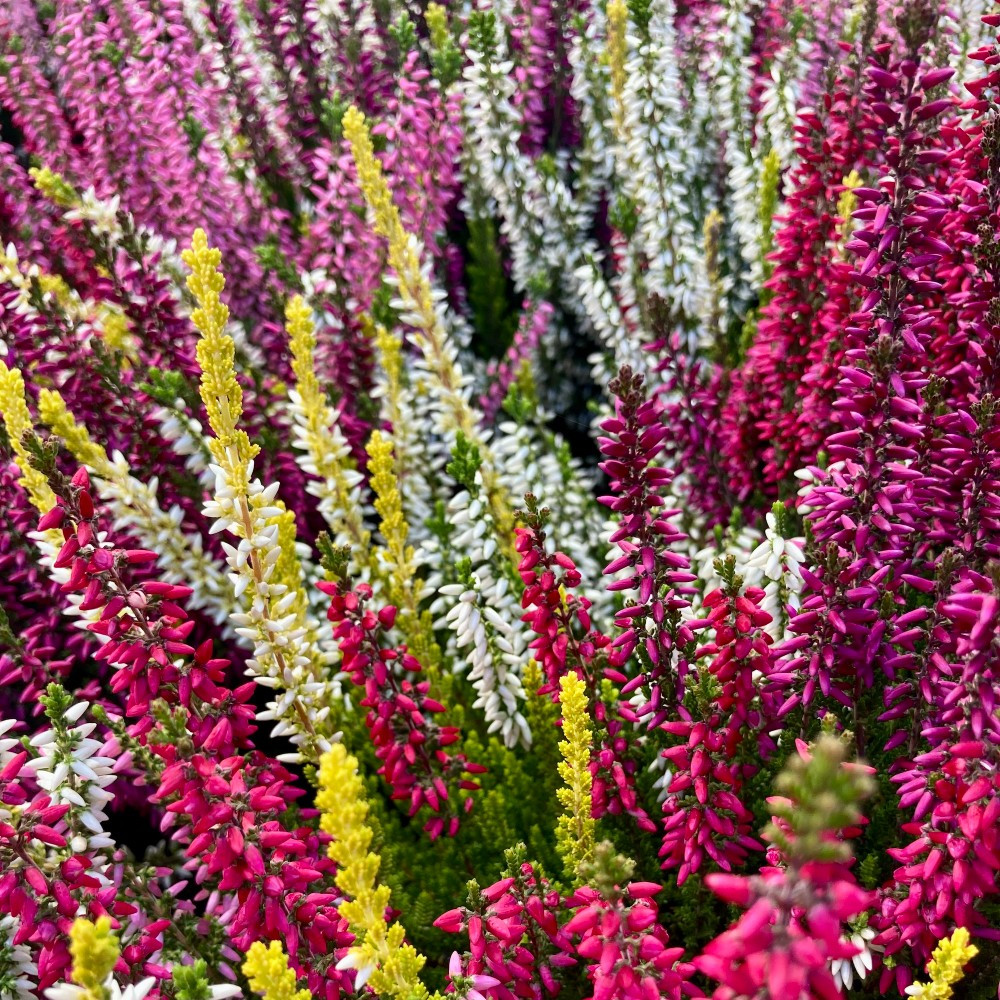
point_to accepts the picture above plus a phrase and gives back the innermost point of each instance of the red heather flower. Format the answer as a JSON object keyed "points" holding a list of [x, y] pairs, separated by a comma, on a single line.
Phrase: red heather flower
{"points": [[516, 947], [628, 950], [566, 641], [706, 818], [777, 413], [651, 627], [410, 745], [793, 926]]}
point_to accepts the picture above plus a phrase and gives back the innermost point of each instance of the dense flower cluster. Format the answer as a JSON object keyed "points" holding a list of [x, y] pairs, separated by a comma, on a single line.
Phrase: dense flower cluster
{"points": [[478, 482]]}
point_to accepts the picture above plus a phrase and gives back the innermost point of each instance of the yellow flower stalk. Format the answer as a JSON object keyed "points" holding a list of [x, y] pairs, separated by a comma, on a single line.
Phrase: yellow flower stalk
{"points": [[396, 562], [56, 416], [946, 967], [614, 54], [846, 206], [575, 827], [94, 950], [54, 187], [383, 960], [770, 178], [422, 310], [390, 356], [269, 974], [325, 453], [265, 564], [17, 422]]}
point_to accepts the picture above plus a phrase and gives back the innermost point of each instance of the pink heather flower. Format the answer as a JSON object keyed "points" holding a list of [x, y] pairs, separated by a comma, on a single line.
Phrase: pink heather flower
{"points": [[628, 950], [516, 946], [566, 640]]}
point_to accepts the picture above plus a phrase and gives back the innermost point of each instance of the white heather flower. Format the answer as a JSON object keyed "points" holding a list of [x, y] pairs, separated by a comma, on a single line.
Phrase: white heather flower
{"points": [[17, 970], [494, 654], [288, 655], [70, 768], [775, 565], [113, 991], [844, 969]]}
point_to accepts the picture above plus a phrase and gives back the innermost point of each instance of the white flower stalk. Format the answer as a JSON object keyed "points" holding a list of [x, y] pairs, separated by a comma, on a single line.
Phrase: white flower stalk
{"points": [[781, 97], [287, 656], [775, 565], [542, 222], [17, 971], [738, 543], [72, 771], [486, 618], [495, 652], [594, 164], [535, 460], [655, 160], [729, 79], [136, 509], [187, 439]]}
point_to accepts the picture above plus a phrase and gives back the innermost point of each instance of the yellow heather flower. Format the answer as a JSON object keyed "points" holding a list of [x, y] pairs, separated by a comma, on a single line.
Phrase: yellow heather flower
{"points": [[770, 178], [94, 949], [17, 421], [381, 957], [266, 565], [946, 967], [269, 974], [614, 54], [418, 299], [402, 584], [220, 392], [846, 206], [115, 333], [54, 187], [56, 416], [575, 828], [328, 456], [390, 355]]}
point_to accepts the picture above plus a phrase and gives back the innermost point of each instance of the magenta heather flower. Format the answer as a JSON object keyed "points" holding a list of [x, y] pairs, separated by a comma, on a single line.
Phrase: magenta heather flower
{"points": [[653, 635], [793, 926]]}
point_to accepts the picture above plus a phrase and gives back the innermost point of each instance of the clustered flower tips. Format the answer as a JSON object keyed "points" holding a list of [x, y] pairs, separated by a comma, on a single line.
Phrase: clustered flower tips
{"points": [[577, 444], [267, 971], [946, 968]]}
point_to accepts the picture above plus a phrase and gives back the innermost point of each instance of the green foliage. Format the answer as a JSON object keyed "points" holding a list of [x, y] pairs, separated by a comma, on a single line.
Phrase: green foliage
{"points": [[465, 463], [488, 290], [446, 56]]}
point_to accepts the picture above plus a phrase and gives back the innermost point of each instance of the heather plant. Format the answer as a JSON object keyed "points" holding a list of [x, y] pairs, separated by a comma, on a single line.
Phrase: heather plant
{"points": [[502, 501]]}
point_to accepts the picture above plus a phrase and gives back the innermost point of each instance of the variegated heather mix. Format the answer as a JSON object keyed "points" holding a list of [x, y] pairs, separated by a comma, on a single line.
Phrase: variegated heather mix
{"points": [[479, 481]]}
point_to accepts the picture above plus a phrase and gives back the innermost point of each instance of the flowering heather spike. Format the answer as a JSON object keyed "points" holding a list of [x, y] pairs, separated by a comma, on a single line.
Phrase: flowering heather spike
{"points": [[778, 946], [381, 958], [575, 831], [653, 631]]}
